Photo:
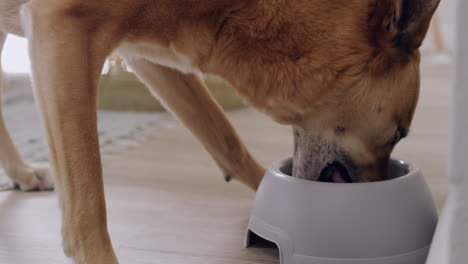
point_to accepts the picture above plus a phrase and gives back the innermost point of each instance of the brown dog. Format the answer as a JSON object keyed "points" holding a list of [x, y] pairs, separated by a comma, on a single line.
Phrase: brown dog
{"points": [[343, 73]]}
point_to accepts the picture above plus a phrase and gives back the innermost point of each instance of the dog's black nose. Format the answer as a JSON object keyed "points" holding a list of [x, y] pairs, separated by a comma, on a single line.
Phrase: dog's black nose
{"points": [[335, 172]]}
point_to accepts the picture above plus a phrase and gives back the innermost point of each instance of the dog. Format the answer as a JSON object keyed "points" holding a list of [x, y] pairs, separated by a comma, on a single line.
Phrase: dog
{"points": [[343, 73]]}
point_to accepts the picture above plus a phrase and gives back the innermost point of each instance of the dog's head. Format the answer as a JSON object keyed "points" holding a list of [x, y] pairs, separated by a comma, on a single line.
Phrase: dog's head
{"points": [[343, 73], [350, 136], [368, 108]]}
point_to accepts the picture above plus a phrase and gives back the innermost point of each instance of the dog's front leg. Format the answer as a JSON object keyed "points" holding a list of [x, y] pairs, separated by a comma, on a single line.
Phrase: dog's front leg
{"points": [[67, 54], [26, 176], [188, 98]]}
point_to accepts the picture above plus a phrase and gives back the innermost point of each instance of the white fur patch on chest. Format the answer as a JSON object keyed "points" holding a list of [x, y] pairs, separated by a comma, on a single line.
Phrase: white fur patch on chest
{"points": [[167, 56]]}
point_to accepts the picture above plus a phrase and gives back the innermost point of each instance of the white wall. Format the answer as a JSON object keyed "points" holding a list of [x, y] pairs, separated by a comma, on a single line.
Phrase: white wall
{"points": [[450, 245]]}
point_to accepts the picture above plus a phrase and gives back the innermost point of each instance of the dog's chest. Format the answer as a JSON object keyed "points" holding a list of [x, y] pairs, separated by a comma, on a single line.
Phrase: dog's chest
{"points": [[168, 55]]}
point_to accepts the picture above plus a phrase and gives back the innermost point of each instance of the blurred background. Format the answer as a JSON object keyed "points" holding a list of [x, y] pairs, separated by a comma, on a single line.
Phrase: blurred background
{"points": [[171, 190]]}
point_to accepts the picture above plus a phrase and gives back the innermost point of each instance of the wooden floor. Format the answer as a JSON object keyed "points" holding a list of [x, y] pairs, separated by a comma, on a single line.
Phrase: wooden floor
{"points": [[168, 202]]}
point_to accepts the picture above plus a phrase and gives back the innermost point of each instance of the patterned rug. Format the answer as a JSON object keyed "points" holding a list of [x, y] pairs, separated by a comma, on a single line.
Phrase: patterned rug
{"points": [[117, 130]]}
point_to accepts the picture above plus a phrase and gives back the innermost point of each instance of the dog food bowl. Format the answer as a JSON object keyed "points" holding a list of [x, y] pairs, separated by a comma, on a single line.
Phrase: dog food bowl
{"points": [[387, 222]]}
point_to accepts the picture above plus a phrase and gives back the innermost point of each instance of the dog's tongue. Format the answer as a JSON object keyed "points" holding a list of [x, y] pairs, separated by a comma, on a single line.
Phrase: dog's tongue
{"points": [[337, 177]]}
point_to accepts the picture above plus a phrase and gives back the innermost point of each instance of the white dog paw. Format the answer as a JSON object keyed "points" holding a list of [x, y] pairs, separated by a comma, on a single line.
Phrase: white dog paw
{"points": [[35, 177]]}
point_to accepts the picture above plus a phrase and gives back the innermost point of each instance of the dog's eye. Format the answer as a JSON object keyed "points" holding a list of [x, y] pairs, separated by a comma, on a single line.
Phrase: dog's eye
{"points": [[399, 134]]}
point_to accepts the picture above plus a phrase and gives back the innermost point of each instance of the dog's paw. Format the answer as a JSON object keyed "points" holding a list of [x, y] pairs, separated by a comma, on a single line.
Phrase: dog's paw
{"points": [[91, 247], [35, 177]]}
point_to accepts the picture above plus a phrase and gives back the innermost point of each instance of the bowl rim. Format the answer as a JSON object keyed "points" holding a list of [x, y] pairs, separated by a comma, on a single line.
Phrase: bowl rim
{"points": [[275, 170]]}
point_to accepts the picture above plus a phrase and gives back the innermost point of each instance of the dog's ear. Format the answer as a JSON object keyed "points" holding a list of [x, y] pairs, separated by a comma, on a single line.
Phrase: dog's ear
{"points": [[400, 26]]}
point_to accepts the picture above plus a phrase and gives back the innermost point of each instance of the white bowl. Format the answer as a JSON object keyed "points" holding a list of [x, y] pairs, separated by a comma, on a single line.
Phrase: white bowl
{"points": [[387, 222]]}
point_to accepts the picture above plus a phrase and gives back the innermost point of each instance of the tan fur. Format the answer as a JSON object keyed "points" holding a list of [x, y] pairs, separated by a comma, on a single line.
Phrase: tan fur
{"points": [[316, 65]]}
